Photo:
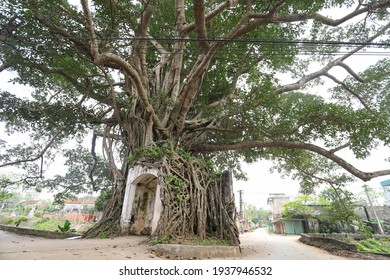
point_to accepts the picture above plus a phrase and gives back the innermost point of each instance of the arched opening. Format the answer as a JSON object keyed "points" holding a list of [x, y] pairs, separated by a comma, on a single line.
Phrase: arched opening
{"points": [[143, 216]]}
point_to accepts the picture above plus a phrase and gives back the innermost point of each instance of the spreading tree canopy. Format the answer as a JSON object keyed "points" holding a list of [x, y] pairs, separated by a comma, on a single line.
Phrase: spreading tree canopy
{"points": [[193, 87]]}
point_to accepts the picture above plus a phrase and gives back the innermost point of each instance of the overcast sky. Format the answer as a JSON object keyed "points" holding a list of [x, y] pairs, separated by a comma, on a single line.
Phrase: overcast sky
{"points": [[261, 182]]}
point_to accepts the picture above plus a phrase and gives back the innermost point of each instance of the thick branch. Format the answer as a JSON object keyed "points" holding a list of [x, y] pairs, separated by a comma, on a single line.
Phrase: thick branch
{"points": [[109, 57], [334, 150], [4, 66], [38, 156], [110, 135], [308, 78], [101, 59], [57, 30], [351, 72], [349, 89], [141, 48], [310, 174], [200, 22], [324, 71], [365, 176], [323, 19], [91, 29], [113, 96], [233, 88], [172, 83], [209, 16]]}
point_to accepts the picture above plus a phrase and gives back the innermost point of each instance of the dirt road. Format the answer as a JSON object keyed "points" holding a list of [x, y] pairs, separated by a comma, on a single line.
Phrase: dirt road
{"points": [[261, 245], [18, 247], [256, 245]]}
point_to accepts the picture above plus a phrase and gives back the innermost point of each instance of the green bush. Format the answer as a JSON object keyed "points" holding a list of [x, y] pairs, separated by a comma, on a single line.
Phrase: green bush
{"points": [[66, 227], [9, 221], [372, 245], [20, 220], [47, 224]]}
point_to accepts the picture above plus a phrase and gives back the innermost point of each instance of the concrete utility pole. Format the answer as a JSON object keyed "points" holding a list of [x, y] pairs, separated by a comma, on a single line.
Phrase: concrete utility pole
{"points": [[373, 210], [241, 212]]}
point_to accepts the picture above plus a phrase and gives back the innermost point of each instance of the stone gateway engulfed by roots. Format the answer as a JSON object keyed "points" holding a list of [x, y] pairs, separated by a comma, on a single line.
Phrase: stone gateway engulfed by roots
{"points": [[181, 199]]}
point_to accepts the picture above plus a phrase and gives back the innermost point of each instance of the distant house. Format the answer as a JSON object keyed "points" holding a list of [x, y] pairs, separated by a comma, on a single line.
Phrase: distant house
{"points": [[76, 210], [386, 190], [78, 206], [294, 225]]}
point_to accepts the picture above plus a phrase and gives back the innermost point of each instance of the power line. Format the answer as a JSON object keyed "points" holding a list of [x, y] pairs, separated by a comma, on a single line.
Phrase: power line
{"points": [[274, 47], [223, 40]]}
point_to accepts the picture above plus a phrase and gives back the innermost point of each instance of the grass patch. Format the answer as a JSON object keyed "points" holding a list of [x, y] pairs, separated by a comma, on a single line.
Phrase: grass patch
{"points": [[372, 245], [48, 224], [210, 241]]}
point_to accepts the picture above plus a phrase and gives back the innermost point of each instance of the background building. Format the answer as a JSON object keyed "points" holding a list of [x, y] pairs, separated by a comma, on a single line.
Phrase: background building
{"points": [[386, 190]]}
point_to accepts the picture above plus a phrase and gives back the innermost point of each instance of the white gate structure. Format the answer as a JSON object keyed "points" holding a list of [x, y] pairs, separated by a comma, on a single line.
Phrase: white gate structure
{"points": [[142, 204]]}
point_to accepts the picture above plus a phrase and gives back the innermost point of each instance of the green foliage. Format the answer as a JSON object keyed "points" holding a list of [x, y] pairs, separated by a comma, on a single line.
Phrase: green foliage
{"points": [[48, 224], [66, 227], [20, 220], [333, 209], [176, 185], [5, 196], [340, 206], [365, 229], [152, 153], [174, 182], [162, 240], [9, 183], [9, 221], [255, 214], [50, 207], [104, 234], [103, 199], [372, 245], [304, 206], [156, 153]]}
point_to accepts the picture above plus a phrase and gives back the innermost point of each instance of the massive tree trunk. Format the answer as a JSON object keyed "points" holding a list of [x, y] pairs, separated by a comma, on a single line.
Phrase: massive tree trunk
{"points": [[152, 132]]}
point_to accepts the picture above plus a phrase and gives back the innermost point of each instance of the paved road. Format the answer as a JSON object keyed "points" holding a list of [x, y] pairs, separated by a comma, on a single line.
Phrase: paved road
{"points": [[259, 244], [256, 245]]}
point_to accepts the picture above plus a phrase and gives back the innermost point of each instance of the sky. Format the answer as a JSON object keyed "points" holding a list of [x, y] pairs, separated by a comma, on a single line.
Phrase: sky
{"points": [[261, 182]]}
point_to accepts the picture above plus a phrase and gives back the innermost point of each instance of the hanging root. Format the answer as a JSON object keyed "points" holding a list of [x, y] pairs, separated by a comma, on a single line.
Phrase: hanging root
{"points": [[193, 203], [109, 224]]}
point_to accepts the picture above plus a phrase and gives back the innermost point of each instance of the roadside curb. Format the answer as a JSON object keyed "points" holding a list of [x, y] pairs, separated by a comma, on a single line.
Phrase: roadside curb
{"points": [[38, 233], [197, 251], [331, 242]]}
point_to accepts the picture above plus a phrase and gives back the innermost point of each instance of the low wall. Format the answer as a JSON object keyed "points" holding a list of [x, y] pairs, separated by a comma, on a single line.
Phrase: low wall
{"points": [[73, 217], [39, 233], [329, 242]]}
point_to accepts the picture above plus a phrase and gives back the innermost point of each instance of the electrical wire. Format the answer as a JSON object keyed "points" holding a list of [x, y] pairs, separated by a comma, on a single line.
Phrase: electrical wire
{"points": [[223, 40], [275, 47]]}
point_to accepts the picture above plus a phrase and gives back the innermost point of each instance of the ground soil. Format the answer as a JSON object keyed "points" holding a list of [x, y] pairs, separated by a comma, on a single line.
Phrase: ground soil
{"points": [[255, 245], [350, 254]]}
